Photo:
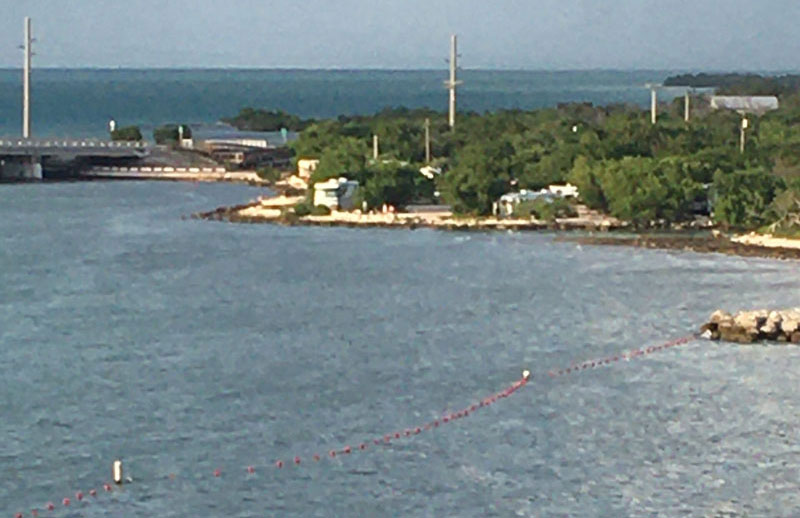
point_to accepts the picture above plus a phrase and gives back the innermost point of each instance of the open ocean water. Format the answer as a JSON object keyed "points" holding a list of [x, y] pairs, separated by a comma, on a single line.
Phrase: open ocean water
{"points": [[80, 103], [184, 346]]}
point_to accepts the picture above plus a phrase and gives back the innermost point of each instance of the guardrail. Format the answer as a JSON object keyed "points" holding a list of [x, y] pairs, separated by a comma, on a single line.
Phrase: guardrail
{"points": [[23, 143], [154, 169]]}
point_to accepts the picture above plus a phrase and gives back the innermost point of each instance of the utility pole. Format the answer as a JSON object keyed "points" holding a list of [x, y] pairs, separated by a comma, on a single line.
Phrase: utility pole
{"points": [[743, 131], [427, 141], [686, 109], [26, 82], [453, 82], [653, 101]]}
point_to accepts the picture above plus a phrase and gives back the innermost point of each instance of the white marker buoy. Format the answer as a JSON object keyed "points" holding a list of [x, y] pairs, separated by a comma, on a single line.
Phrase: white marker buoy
{"points": [[116, 472], [526, 374]]}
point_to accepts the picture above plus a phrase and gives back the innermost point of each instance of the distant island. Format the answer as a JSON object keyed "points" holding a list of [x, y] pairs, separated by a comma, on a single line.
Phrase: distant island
{"points": [[739, 84]]}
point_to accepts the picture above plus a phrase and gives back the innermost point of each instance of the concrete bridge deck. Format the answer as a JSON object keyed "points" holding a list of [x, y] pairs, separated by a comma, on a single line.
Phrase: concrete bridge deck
{"points": [[72, 148]]}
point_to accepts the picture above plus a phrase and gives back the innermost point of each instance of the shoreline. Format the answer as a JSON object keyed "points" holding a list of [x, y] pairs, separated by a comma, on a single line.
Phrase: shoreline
{"points": [[707, 244], [274, 211]]}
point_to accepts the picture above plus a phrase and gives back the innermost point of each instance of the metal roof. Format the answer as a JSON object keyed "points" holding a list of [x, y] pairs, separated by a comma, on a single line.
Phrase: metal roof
{"points": [[750, 104]]}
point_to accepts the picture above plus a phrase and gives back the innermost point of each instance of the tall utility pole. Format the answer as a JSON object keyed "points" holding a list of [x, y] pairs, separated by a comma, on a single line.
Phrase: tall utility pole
{"points": [[453, 83], [427, 141], [653, 101], [686, 109], [26, 82], [743, 131]]}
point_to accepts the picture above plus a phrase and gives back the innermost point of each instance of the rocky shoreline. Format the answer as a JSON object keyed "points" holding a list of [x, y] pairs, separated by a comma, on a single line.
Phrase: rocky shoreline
{"points": [[275, 211], [712, 242], [589, 228], [747, 327]]}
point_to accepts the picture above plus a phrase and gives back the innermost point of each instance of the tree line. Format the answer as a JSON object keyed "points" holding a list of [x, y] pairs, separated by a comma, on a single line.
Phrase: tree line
{"points": [[622, 164]]}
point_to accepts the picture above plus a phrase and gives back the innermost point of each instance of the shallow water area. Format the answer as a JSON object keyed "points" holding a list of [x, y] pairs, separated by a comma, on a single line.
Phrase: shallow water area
{"points": [[185, 346]]}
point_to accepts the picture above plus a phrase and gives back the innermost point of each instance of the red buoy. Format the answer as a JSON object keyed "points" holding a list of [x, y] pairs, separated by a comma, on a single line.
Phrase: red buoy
{"points": [[51, 506], [217, 472], [297, 460], [332, 453], [66, 502], [279, 464], [93, 492], [316, 458], [347, 450], [251, 469], [362, 446], [107, 487]]}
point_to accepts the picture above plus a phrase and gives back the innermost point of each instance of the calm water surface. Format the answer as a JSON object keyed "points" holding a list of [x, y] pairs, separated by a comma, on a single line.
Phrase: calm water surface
{"points": [[80, 103], [183, 346]]}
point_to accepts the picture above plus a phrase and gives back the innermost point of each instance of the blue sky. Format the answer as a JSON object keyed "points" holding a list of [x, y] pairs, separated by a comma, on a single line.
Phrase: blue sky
{"points": [[517, 34]]}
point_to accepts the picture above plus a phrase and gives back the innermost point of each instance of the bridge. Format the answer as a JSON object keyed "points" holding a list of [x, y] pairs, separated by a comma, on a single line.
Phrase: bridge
{"points": [[22, 158]]}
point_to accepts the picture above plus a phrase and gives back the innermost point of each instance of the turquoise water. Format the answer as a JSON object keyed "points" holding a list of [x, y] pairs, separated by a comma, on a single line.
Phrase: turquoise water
{"points": [[80, 102]]}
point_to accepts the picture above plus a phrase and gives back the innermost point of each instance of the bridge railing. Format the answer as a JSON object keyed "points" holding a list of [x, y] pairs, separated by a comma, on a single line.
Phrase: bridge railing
{"points": [[57, 143]]}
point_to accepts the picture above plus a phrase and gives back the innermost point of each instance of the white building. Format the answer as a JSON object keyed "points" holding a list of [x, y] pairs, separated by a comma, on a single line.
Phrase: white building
{"points": [[306, 167], [507, 203], [430, 172], [758, 104], [563, 191], [336, 193]]}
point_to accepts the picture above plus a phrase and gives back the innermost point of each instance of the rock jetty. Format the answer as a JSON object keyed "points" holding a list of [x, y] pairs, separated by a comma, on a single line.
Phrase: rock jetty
{"points": [[746, 327]]}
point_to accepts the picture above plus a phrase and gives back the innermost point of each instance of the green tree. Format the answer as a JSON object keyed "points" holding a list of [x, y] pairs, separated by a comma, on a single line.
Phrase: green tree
{"points": [[169, 133], [347, 157], [742, 198], [128, 133], [584, 177], [392, 183], [481, 174]]}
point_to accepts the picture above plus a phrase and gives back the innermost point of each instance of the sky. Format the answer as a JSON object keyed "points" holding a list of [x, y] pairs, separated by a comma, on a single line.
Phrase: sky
{"points": [[757, 35]]}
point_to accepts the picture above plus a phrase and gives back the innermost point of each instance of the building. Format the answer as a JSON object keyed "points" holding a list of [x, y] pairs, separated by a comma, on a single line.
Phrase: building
{"points": [[758, 105], [336, 193], [306, 167], [247, 153], [507, 203], [430, 172], [563, 191]]}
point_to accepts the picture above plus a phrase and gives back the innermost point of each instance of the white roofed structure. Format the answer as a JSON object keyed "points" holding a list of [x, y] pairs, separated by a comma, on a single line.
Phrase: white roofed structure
{"points": [[759, 104]]}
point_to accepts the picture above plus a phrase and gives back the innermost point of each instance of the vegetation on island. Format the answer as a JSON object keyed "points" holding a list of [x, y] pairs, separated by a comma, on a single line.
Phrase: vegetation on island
{"points": [[739, 84], [127, 134], [169, 134], [622, 164], [250, 119]]}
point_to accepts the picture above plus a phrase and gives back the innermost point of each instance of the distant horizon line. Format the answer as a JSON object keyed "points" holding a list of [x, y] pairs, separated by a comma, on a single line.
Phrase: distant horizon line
{"points": [[422, 69]]}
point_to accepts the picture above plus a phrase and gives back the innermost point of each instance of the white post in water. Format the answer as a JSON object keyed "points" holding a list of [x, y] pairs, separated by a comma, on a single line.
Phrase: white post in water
{"points": [[453, 82], [26, 82], [116, 472], [375, 147]]}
